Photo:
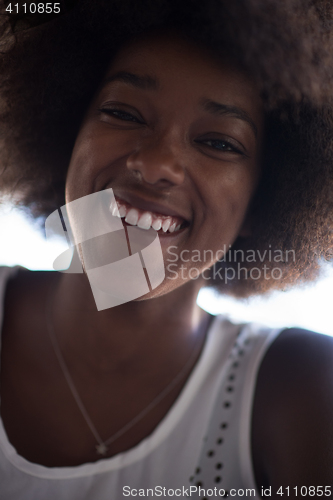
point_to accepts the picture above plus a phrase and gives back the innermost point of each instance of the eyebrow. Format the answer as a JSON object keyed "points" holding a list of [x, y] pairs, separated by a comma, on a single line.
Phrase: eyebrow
{"points": [[147, 82], [144, 82], [216, 108]]}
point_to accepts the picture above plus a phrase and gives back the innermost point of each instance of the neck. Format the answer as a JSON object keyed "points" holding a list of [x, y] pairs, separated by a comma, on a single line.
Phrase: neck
{"points": [[163, 328]]}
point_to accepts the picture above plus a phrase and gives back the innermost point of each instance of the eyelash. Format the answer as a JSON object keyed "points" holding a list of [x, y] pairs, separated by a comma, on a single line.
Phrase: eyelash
{"points": [[120, 114], [227, 145]]}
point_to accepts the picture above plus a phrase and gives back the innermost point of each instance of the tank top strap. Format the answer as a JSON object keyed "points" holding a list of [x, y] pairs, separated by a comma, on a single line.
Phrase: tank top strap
{"points": [[225, 461]]}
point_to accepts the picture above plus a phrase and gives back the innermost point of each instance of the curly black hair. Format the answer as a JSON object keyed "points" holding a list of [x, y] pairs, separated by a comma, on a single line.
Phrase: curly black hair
{"points": [[51, 65]]}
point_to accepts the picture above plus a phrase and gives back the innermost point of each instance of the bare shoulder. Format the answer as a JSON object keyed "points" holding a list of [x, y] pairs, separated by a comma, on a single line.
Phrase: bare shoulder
{"points": [[292, 437]]}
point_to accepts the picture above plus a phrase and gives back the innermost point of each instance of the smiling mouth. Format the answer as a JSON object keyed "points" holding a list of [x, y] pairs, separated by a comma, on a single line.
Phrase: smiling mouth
{"points": [[145, 219]]}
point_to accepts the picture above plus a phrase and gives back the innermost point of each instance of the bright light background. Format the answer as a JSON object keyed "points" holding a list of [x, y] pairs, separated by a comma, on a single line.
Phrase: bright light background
{"points": [[309, 307]]}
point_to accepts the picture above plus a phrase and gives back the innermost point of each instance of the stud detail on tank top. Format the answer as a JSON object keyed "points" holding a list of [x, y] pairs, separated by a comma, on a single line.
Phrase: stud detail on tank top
{"points": [[216, 443]]}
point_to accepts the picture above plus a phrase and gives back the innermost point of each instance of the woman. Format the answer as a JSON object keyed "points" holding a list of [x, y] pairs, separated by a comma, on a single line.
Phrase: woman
{"points": [[216, 131]]}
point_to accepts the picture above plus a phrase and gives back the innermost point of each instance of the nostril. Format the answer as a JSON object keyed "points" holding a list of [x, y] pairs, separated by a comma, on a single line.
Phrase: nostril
{"points": [[137, 174], [156, 165]]}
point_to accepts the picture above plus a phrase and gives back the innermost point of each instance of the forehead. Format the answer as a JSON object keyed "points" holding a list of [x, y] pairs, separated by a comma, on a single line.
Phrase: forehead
{"points": [[178, 66]]}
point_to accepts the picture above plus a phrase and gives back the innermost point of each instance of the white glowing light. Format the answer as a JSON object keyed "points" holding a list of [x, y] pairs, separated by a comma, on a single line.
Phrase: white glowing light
{"points": [[308, 307]]}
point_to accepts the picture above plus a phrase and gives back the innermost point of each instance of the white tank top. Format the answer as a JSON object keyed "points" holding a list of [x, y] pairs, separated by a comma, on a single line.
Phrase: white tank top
{"points": [[202, 442]]}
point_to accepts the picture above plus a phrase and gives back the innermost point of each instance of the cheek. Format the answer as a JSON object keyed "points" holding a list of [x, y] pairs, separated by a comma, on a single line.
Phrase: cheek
{"points": [[242, 188], [96, 147], [225, 199], [229, 196], [88, 157]]}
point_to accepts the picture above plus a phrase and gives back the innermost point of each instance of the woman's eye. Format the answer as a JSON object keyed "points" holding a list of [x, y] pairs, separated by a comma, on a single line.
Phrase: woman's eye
{"points": [[121, 115], [221, 145]]}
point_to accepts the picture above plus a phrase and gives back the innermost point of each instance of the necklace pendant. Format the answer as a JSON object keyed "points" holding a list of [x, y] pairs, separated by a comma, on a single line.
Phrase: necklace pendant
{"points": [[101, 448]]}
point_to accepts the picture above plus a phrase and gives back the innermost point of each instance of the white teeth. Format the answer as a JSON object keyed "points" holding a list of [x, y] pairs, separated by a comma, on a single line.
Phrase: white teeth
{"points": [[114, 209], [166, 225], [132, 217], [145, 221], [157, 224], [122, 211]]}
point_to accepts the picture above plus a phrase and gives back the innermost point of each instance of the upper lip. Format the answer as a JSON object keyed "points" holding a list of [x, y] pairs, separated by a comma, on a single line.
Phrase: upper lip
{"points": [[148, 205]]}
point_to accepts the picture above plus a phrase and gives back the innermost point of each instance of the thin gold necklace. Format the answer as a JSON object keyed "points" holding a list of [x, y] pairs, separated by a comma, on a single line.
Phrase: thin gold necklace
{"points": [[103, 446]]}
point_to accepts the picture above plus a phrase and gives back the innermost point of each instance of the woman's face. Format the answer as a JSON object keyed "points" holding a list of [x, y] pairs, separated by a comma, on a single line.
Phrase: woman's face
{"points": [[176, 134]]}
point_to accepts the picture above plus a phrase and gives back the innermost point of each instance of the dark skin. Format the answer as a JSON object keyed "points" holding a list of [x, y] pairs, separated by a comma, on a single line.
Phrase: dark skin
{"points": [[292, 439], [164, 143]]}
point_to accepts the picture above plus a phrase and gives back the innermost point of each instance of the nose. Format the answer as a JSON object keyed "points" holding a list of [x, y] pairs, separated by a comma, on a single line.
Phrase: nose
{"points": [[158, 163]]}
